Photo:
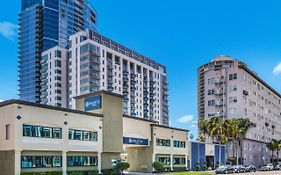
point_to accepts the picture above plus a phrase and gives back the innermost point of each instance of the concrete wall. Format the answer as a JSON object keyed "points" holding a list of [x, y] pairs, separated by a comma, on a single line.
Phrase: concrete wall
{"points": [[7, 163], [112, 126]]}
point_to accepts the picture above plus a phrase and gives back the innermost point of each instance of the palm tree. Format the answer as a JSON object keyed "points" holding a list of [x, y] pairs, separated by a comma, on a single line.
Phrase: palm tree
{"points": [[219, 131], [278, 149], [244, 125], [234, 130], [203, 125], [272, 146]]}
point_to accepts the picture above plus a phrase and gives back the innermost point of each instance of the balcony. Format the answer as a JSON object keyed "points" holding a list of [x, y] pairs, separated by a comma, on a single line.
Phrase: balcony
{"points": [[125, 72], [219, 103], [125, 79], [126, 98], [133, 75], [125, 92], [219, 81], [145, 79], [110, 73], [219, 92], [220, 114], [110, 65], [152, 82], [110, 87]]}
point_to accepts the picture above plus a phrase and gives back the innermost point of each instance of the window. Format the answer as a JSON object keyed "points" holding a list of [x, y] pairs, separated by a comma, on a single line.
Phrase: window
{"points": [[233, 111], [179, 161], [163, 142], [232, 88], [58, 71], [57, 63], [232, 99], [41, 131], [164, 160], [80, 161], [58, 78], [7, 132], [82, 135], [40, 161], [211, 92], [179, 144], [58, 53], [232, 76], [211, 102]]}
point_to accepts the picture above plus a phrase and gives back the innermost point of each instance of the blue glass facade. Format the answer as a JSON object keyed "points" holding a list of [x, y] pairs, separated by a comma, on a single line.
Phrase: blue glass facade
{"points": [[198, 155], [43, 25], [219, 154]]}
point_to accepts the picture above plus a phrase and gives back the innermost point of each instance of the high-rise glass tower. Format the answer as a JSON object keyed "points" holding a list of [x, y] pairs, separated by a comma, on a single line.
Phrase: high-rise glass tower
{"points": [[44, 24]]}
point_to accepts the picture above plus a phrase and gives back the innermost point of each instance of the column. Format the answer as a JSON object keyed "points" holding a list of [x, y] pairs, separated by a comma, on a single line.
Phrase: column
{"points": [[17, 162], [171, 162], [99, 162], [64, 163], [186, 162], [153, 160]]}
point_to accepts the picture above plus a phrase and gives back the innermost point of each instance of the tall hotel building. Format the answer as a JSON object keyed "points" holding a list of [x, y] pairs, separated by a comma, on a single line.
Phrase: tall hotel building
{"points": [[229, 89], [97, 63], [44, 24]]}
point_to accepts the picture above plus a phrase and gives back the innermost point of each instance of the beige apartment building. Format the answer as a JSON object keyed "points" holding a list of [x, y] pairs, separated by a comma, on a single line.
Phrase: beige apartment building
{"points": [[229, 89], [41, 138], [99, 63]]}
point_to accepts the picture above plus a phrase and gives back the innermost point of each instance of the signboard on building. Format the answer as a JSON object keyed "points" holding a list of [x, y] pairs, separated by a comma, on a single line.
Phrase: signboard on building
{"points": [[135, 141], [92, 103]]}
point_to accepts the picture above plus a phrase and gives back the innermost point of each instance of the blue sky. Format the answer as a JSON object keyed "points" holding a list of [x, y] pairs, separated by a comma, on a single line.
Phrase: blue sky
{"points": [[180, 34]]}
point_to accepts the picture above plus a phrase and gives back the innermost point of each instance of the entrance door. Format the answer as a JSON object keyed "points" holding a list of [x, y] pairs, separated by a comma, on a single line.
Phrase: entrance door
{"points": [[210, 161]]}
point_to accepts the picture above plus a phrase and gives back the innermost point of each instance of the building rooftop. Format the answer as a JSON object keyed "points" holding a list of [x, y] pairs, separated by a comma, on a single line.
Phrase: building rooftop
{"points": [[97, 37], [20, 102], [222, 58]]}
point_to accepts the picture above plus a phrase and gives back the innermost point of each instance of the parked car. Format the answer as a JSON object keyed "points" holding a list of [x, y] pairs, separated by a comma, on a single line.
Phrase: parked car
{"points": [[268, 167], [276, 167], [225, 169], [239, 169], [250, 168]]}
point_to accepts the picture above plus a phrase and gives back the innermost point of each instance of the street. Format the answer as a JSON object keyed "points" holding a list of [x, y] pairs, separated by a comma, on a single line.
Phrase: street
{"points": [[253, 173], [262, 173]]}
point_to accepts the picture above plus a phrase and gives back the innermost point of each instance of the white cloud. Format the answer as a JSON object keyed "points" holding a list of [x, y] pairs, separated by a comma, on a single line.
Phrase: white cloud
{"points": [[277, 69], [8, 30], [194, 124], [185, 119], [1, 100]]}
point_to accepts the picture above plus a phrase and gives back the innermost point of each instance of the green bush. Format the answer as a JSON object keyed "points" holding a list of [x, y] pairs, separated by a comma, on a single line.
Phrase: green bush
{"points": [[42, 173], [91, 172], [179, 169], [108, 172], [121, 166], [158, 166]]}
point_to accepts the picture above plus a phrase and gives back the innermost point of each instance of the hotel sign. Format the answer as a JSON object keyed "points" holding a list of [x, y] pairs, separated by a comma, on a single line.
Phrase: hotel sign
{"points": [[92, 103], [135, 141]]}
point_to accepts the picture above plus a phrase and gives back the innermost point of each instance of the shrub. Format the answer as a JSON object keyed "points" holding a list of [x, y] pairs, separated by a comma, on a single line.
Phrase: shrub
{"points": [[91, 172], [42, 173], [121, 166], [108, 172], [158, 166]]}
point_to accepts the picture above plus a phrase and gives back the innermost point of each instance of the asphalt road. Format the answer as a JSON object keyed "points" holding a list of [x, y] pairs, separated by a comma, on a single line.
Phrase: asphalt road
{"points": [[256, 173], [262, 173]]}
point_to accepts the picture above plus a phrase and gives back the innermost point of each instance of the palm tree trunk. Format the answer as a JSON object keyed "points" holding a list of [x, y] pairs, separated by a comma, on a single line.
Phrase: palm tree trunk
{"points": [[236, 148], [241, 153], [277, 156]]}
